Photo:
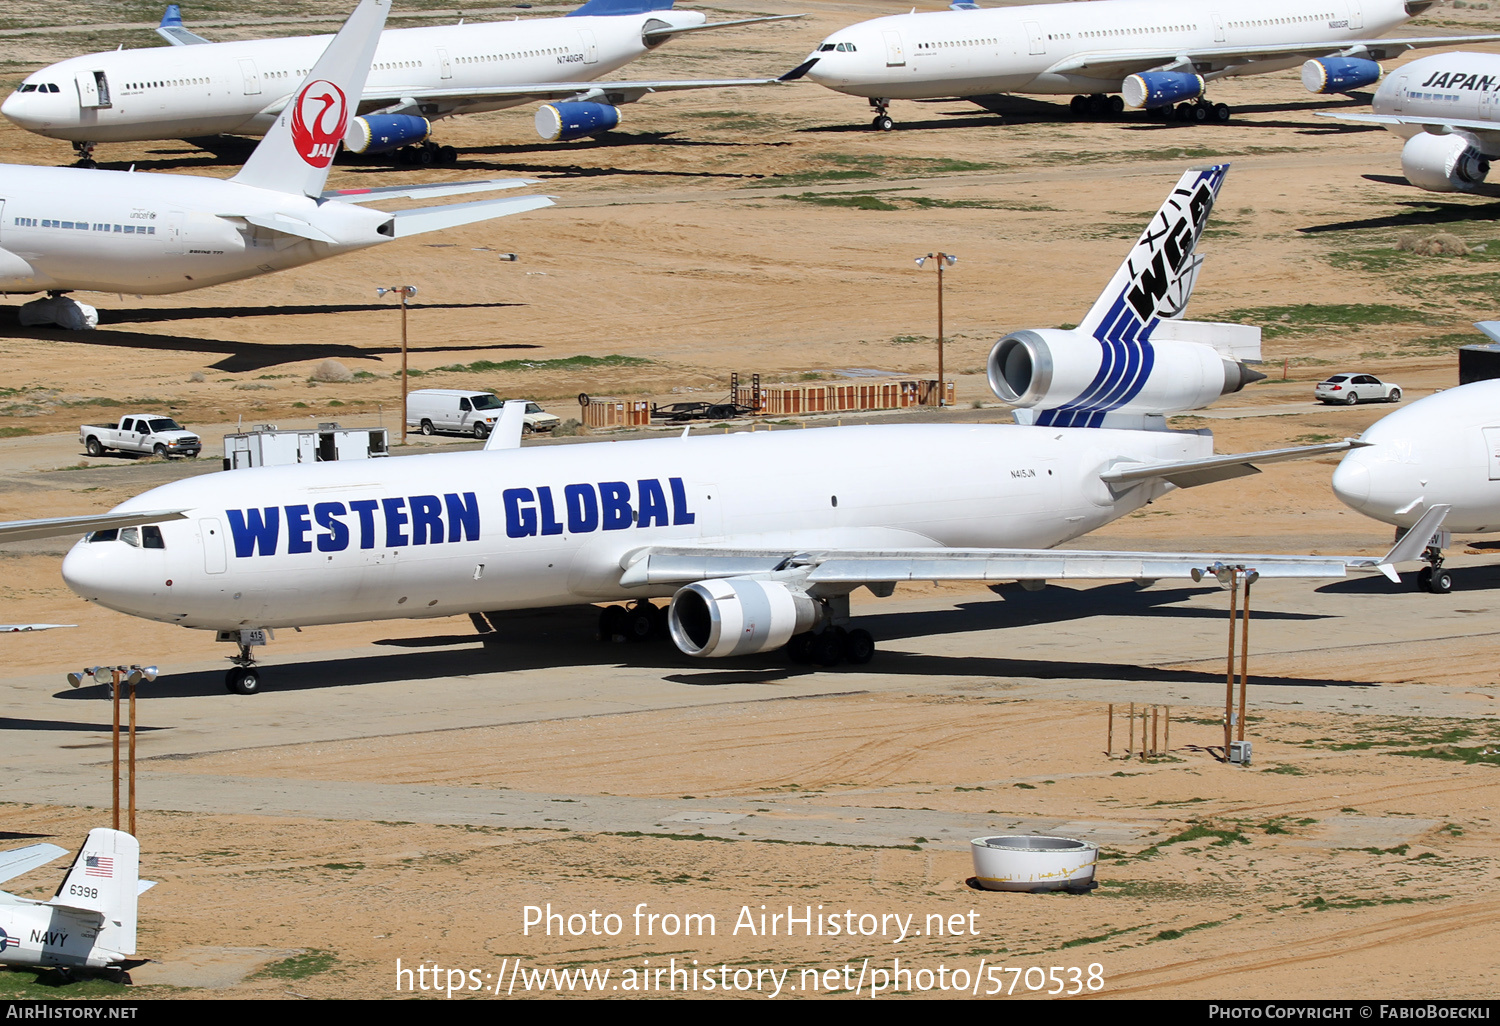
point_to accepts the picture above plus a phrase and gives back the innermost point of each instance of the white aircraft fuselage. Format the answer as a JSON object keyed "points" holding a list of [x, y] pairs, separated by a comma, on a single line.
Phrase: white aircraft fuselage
{"points": [[149, 234], [1010, 49], [1460, 85], [436, 535], [237, 88], [1443, 449]]}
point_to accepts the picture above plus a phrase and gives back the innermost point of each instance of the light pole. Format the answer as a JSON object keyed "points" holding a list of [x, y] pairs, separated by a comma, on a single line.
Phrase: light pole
{"points": [[942, 260], [405, 292], [113, 675]]}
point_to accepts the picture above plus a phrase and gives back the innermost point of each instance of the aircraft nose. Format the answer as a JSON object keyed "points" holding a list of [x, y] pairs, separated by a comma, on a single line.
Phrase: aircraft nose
{"points": [[1351, 482], [94, 573], [15, 109]]}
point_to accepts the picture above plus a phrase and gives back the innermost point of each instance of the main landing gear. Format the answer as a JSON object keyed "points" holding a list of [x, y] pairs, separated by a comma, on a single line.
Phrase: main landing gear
{"points": [[1433, 577], [831, 646], [640, 621], [1100, 105], [427, 154], [85, 153], [882, 121]]}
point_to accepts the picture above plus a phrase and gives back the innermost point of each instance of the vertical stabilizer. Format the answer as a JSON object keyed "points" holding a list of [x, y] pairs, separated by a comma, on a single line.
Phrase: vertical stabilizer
{"points": [[295, 154], [104, 879], [1157, 277]]}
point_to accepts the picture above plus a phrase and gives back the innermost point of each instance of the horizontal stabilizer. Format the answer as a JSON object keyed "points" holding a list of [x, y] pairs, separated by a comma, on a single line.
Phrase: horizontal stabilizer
{"points": [[431, 219], [1191, 473], [172, 31], [23, 860], [1490, 328], [26, 530], [1240, 342], [668, 31], [433, 190], [22, 628], [289, 226]]}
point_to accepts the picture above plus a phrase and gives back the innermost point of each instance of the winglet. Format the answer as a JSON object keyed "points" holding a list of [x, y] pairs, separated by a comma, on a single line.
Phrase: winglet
{"points": [[295, 155], [1412, 544], [172, 31], [1490, 328], [507, 431]]}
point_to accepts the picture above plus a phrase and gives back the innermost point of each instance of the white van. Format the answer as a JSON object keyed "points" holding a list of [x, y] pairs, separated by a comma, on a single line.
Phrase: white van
{"points": [[453, 411]]}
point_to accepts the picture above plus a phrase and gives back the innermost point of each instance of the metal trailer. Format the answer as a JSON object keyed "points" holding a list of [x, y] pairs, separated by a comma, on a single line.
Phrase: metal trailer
{"points": [[266, 445]]}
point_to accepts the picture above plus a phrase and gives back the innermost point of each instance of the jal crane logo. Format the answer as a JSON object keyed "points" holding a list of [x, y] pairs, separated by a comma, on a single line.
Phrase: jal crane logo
{"points": [[320, 114]]}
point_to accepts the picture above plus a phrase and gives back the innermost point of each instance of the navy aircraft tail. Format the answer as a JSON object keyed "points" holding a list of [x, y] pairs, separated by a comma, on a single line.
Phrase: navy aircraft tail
{"points": [[295, 155], [105, 880]]}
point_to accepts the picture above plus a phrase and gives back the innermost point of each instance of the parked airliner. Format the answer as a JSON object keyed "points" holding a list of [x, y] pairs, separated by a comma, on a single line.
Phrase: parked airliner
{"points": [[1153, 53], [1447, 108], [90, 923], [199, 88], [757, 538], [117, 231], [1440, 450]]}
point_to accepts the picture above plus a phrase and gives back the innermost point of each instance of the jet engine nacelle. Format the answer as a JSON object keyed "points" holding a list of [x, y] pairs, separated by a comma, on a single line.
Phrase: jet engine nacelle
{"points": [[1443, 163], [1051, 367], [1152, 89], [564, 122], [1339, 74], [730, 616], [381, 133]]}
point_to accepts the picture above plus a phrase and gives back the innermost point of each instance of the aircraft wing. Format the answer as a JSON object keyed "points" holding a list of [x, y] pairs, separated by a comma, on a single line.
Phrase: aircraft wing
{"points": [[432, 190], [1122, 63], [23, 860], [666, 32], [431, 219], [26, 530], [1191, 473], [608, 92], [1488, 128], [20, 628]]}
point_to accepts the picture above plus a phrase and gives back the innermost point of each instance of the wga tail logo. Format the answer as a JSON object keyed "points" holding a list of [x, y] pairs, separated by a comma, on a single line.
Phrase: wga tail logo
{"points": [[320, 114], [1162, 265]]}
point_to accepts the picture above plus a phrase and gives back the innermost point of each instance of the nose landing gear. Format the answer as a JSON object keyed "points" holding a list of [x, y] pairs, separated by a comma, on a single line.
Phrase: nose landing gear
{"points": [[1433, 577], [244, 678], [882, 121], [85, 152]]}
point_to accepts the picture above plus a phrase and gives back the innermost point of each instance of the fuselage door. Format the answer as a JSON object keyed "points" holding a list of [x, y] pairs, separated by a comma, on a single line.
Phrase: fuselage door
{"points": [[590, 46], [1218, 28], [895, 50], [88, 91], [1356, 15], [173, 232], [251, 75], [444, 63], [1492, 446], [1400, 99], [1034, 37], [211, 533]]}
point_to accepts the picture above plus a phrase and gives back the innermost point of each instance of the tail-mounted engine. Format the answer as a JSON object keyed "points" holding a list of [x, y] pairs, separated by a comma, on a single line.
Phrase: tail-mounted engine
{"points": [[1444, 163]]}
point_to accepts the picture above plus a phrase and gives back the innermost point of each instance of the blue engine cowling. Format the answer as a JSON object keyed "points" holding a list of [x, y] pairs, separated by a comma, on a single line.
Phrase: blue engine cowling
{"points": [[564, 122], [381, 133], [1339, 74], [1152, 89]]}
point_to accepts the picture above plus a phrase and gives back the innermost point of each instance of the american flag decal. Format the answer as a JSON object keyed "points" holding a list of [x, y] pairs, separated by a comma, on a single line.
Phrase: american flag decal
{"points": [[98, 865]]}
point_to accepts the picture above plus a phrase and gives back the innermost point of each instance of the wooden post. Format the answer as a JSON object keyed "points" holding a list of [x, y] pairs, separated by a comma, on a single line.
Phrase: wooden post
{"points": [[1144, 714], [116, 674], [1154, 749], [132, 759], [1130, 743], [1234, 594], [1109, 741], [1244, 659], [1167, 741]]}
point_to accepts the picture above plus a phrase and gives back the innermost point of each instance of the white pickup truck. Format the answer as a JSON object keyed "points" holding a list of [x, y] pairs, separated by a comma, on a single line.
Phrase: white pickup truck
{"points": [[161, 436]]}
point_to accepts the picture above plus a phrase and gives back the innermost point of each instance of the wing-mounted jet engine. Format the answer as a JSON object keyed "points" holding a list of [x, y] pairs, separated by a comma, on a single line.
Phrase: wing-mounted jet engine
{"points": [[1452, 162], [1133, 360]]}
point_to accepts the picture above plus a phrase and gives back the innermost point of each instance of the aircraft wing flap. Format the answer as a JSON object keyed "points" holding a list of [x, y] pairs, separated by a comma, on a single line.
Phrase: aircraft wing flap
{"points": [[1120, 63], [27, 530], [1191, 473], [23, 860]]}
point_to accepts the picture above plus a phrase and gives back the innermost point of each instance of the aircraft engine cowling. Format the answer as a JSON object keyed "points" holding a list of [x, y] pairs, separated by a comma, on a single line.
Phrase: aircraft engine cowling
{"points": [[1152, 89], [1051, 367], [564, 122], [381, 133], [1339, 74], [731, 616], [1443, 163]]}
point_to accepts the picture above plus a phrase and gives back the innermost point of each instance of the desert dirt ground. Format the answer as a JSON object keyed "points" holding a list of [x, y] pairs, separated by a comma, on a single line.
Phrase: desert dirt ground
{"points": [[403, 792]]}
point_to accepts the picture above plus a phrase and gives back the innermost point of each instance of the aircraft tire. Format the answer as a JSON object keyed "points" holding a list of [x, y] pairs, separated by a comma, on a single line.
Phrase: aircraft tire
{"points": [[449, 154], [829, 647], [1442, 582], [242, 680], [1424, 579], [427, 428], [1116, 105], [883, 123], [1203, 112], [859, 647], [640, 622], [799, 649], [612, 623], [1184, 112], [1079, 105], [1221, 113]]}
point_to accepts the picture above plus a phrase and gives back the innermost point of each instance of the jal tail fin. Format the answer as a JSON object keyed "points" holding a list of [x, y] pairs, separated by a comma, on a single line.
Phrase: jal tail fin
{"points": [[605, 8], [105, 878], [295, 154], [1157, 277]]}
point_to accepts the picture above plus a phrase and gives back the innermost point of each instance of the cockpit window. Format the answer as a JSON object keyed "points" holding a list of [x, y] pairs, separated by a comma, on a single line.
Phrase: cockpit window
{"points": [[131, 536], [29, 87], [845, 48], [151, 537], [50, 87], [825, 48], [112, 534]]}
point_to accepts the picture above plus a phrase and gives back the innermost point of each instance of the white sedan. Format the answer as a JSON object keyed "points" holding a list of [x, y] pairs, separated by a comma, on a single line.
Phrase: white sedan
{"points": [[1348, 389]]}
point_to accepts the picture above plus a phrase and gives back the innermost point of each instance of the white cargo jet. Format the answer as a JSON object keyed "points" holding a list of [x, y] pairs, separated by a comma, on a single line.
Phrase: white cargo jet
{"points": [[199, 88], [1438, 453], [90, 922], [1447, 108], [757, 538], [1155, 53], [117, 231]]}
